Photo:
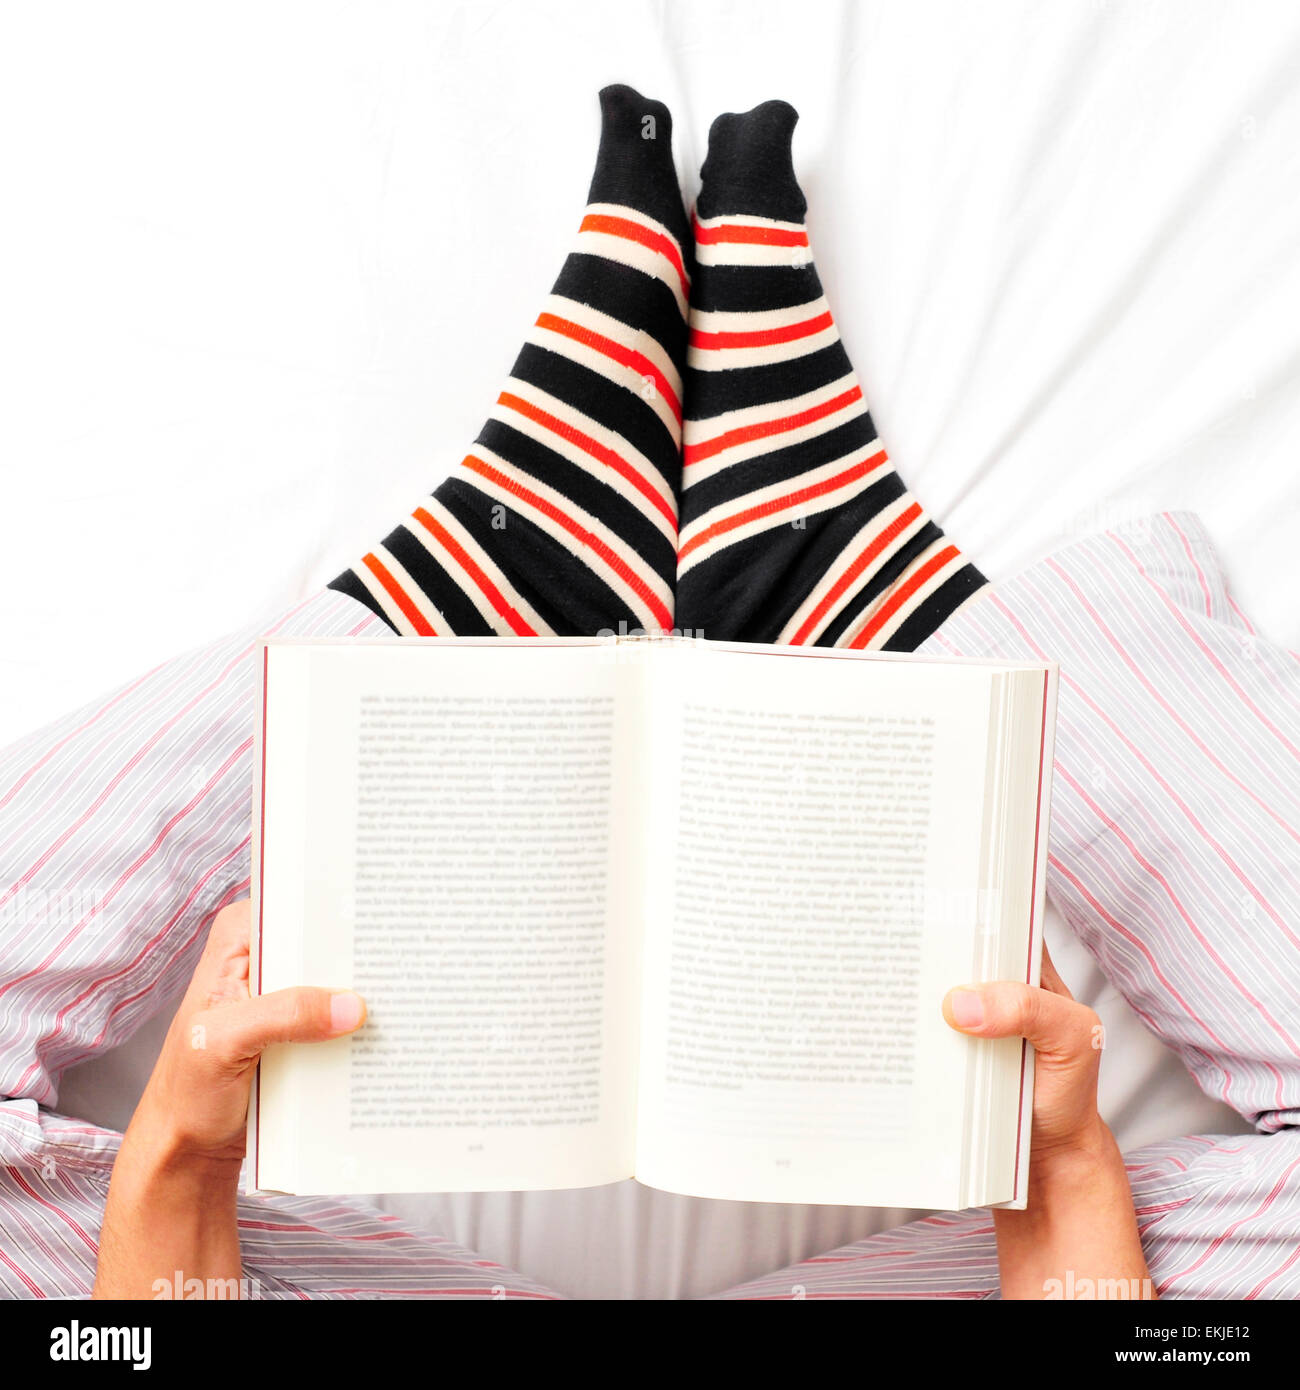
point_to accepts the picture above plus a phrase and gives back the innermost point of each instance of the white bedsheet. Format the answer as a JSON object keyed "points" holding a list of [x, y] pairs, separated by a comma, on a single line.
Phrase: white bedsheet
{"points": [[263, 268]]}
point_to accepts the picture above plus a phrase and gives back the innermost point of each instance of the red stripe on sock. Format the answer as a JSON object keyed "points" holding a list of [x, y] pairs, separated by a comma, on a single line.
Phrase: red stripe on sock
{"points": [[588, 445], [624, 356], [900, 596], [395, 591], [778, 504], [693, 453], [765, 337], [634, 231], [752, 236], [588, 538], [463, 558], [878, 543]]}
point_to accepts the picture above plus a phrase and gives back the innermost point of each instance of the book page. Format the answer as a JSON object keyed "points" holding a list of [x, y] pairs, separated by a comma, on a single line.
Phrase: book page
{"points": [[440, 833], [822, 831]]}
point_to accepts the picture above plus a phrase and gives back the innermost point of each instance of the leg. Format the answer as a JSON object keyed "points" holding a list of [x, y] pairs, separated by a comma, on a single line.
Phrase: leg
{"points": [[562, 518], [1219, 1216], [124, 829], [54, 1176], [795, 528]]}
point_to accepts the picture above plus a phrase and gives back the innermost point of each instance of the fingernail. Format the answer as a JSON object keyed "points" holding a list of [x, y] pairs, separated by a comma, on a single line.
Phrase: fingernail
{"points": [[967, 1008], [346, 1011]]}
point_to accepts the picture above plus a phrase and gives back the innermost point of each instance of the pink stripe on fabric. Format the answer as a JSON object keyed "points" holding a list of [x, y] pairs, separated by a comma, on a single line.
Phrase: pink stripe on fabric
{"points": [[1219, 666], [231, 666], [113, 783], [1166, 710], [81, 728], [1201, 745], [1209, 1252], [191, 704], [1134, 940], [15, 1216], [1277, 1274], [100, 984], [1200, 573], [101, 904], [1202, 833], [91, 1245]]}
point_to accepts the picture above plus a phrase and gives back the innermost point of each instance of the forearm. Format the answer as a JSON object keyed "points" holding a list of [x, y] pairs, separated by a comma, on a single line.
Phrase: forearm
{"points": [[169, 1217], [1078, 1237]]}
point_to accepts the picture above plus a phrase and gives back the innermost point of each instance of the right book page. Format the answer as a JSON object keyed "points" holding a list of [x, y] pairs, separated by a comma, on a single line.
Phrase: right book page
{"points": [[824, 836]]}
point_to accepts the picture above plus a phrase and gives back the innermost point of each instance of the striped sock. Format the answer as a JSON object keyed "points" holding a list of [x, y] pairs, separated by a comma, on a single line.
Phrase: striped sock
{"points": [[563, 516], [794, 526]]}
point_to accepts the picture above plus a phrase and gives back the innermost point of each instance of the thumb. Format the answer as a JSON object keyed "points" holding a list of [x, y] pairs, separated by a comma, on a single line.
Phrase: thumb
{"points": [[1055, 1025], [304, 1014]]}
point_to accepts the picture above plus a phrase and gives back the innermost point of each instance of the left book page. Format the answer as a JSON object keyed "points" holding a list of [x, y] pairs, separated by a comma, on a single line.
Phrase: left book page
{"points": [[443, 826]]}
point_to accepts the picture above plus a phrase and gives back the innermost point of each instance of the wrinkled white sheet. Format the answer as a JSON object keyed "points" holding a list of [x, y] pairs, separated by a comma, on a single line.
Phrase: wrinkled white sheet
{"points": [[263, 268]]}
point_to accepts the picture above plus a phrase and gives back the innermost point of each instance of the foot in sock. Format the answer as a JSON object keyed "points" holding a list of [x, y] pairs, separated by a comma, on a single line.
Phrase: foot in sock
{"points": [[794, 526], [563, 516]]}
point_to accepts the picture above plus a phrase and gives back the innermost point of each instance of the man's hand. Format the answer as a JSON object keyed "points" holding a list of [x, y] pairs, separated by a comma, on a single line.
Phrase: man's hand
{"points": [[198, 1094], [1067, 1037], [171, 1203], [1080, 1220]]}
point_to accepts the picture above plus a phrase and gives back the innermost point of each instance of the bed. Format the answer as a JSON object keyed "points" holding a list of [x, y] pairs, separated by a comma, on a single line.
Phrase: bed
{"points": [[259, 302]]}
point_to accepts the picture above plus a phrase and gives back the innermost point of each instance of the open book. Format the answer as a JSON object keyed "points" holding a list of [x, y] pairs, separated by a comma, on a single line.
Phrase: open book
{"points": [[657, 907]]}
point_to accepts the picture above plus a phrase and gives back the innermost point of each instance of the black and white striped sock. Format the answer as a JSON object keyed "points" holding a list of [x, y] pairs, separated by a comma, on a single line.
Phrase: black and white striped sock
{"points": [[794, 526], [562, 518]]}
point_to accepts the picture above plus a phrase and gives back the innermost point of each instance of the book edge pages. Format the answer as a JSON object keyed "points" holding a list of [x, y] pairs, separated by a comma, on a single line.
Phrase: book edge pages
{"points": [[1019, 1197], [252, 1148]]}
